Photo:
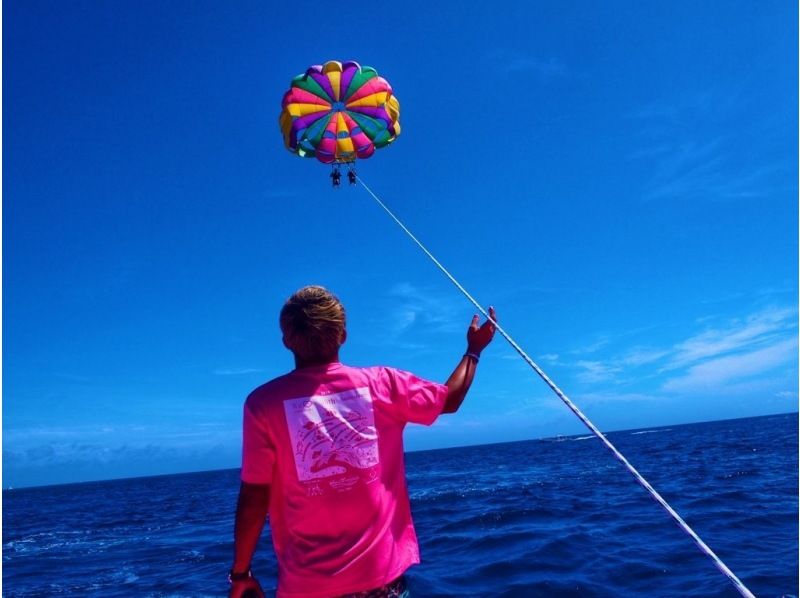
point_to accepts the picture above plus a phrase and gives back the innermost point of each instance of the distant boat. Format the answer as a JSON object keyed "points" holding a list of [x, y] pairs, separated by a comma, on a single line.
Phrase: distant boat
{"points": [[558, 438]]}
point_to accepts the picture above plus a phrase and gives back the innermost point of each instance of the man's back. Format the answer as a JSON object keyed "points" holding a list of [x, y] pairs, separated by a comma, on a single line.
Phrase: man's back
{"points": [[328, 440], [323, 455]]}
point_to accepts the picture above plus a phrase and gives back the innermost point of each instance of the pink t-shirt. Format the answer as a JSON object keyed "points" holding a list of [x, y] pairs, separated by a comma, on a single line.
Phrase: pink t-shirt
{"points": [[329, 441]]}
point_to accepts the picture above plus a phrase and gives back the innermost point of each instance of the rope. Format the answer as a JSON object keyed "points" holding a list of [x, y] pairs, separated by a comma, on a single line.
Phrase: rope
{"points": [[723, 568]]}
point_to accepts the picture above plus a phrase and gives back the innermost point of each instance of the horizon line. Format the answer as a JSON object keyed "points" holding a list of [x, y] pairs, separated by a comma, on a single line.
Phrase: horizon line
{"points": [[447, 448]]}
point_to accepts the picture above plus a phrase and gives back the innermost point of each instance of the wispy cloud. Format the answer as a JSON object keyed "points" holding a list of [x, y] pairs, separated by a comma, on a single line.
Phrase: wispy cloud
{"points": [[55, 454], [711, 179], [718, 372], [755, 330], [643, 356], [596, 398], [753, 352], [696, 152], [25, 438], [592, 347], [424, 309], [237, 371], [596, 371]]}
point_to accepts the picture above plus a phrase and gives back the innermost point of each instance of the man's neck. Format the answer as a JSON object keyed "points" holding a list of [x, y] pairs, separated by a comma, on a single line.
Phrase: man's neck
{"points": [[309, 363]]}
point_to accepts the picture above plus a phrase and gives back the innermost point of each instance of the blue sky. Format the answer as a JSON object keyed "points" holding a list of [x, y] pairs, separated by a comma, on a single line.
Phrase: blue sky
{"points": [[620, 180]]}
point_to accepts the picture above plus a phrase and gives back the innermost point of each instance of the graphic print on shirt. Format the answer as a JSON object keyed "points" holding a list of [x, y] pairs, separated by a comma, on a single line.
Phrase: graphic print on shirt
{"points": [[333, 435]]}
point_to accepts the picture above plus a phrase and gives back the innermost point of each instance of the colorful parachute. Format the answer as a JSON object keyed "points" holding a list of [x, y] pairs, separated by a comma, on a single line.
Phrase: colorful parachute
{"points": [[338, 112]]}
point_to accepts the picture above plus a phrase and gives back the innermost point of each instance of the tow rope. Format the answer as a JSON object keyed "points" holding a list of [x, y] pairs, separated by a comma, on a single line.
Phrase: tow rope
{"points": [[704, 548]]}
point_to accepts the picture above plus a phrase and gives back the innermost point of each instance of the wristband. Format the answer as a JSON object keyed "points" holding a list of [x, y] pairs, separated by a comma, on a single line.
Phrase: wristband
{"points": [[474, 356], [234, 577]]}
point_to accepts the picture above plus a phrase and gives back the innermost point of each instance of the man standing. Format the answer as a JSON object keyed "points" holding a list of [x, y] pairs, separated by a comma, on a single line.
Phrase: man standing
{"points": [[323, 456]]}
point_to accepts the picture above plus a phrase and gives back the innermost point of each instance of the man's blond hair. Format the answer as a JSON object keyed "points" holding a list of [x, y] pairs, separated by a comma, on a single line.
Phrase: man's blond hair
{"points": [[313, 323]]}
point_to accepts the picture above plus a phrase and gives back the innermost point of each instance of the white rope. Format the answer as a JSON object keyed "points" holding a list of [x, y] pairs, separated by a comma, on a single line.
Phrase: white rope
{"points": [[620, 457]]}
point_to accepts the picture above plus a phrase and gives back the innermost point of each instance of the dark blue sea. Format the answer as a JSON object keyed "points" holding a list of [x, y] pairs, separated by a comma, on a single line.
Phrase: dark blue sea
{"points": [[535, 518]]}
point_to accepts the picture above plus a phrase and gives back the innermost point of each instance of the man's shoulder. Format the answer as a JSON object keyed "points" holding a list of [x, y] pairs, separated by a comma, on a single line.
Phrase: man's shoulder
{"points": [[296, 384], [269, 389], [370, 370], [380, 374]]}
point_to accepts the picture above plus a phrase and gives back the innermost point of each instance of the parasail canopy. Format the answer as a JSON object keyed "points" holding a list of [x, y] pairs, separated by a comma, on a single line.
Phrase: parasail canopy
{"points": [[338, 112]]}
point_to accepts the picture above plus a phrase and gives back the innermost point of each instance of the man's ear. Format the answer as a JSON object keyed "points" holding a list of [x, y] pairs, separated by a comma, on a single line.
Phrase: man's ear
{"points": [[283, 339]]}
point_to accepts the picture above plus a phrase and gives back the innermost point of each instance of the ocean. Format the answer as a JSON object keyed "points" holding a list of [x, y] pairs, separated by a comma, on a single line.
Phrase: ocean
{"points": [[534, 518]]}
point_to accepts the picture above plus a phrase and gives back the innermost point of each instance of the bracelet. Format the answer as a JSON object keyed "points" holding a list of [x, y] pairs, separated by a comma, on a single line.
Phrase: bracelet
{"points": [[234, 577], [473, 355]]}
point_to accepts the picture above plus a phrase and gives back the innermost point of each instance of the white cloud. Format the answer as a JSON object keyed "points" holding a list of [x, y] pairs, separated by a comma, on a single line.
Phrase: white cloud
{"points": [[64, 441], [643, 355], [597, 371], [718, 372], [758, 329], [592, 347], [237, 371], [593, 398], [425, 309], [42, 454], [689, 163], [744, 350]]}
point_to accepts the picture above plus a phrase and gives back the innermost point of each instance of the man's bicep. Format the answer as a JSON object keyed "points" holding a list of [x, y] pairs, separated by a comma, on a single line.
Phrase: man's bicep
{"points": [[419, 401], [258, 451]]}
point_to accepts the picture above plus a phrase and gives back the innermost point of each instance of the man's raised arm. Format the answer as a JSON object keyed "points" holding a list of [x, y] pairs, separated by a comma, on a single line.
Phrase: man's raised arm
{"points": [[478, 337]]}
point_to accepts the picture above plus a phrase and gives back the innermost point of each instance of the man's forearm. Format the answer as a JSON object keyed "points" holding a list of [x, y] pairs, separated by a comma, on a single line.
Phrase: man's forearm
{"points": [[459, 382], [478, 337], [251, 513]]}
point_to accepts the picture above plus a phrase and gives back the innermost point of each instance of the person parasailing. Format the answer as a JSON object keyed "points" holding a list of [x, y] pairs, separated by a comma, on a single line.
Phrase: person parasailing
{"points": [[336, 176]]}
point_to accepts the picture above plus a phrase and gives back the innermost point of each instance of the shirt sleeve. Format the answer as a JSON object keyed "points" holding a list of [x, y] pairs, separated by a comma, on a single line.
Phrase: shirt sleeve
{"points": [[258, 450], [415, 399]]}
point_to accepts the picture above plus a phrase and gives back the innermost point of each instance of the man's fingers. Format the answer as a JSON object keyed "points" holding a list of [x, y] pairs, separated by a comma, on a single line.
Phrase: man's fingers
{"points": [[474, 324], [493, 316]]}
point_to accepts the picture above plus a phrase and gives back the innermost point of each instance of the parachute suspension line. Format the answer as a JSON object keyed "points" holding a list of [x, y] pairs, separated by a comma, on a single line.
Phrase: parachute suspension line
{"points": [[723, 568]]}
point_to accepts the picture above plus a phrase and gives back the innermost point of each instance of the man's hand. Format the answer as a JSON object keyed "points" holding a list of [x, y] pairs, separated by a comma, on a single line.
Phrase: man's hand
{"points": [[479, 337], [247, 588]]}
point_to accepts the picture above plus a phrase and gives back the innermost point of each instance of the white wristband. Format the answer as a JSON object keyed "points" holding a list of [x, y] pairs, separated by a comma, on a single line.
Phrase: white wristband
{"points": [[473, 355]]}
